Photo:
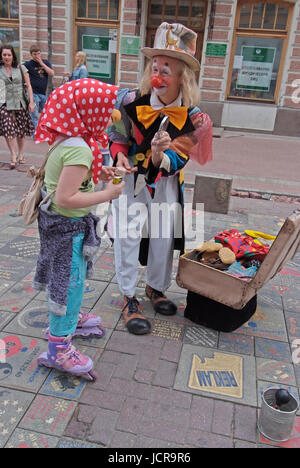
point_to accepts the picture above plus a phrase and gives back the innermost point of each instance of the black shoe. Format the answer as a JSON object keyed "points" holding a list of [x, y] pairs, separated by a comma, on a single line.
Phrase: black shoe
{"points": [[160, 302], [135, 322]]}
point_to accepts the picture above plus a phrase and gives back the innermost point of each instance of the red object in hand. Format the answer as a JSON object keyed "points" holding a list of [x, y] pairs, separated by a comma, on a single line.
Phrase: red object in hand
{"points": [[156, 81]]}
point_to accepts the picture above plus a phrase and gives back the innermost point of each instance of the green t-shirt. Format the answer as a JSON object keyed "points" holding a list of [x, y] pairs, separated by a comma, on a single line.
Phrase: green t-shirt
{"points": [[71, 152]]}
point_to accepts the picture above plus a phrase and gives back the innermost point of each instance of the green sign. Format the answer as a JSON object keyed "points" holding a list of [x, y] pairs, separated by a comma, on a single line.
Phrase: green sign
{"points": [[257, 68], [97, 55], [215, 49], [130, 45]]}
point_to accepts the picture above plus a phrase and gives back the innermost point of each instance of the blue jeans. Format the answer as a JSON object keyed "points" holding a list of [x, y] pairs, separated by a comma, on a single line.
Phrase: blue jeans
{"points": [[66, 325], [39, 100]]}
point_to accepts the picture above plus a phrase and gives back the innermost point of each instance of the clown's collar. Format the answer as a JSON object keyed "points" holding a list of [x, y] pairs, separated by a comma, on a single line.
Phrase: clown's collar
{"points": [[157, 104]]}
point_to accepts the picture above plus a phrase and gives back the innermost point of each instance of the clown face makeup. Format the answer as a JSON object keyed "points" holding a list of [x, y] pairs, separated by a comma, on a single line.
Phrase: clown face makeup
{"points": [[166, 78]]}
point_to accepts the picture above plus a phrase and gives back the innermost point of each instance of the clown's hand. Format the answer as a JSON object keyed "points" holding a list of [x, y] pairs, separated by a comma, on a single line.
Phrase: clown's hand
{"points": [[107, 173], [160, 143]]}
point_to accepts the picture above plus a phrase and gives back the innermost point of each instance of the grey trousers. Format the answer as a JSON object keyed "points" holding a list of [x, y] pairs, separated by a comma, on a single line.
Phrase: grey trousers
{"points": [[136, 216]]}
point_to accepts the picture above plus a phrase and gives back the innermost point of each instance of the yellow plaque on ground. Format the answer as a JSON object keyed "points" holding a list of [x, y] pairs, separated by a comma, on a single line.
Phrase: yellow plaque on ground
{"points": [[221, 374]]}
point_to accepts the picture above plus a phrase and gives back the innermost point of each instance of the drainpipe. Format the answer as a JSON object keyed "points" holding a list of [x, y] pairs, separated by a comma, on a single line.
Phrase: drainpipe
{"points": [[50, 42]]}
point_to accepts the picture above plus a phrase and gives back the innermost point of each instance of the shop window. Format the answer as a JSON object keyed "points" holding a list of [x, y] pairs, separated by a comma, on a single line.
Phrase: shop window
{"points": [[259, 46], [191, 13], [97, 28], [98, 9], [9, 23]]}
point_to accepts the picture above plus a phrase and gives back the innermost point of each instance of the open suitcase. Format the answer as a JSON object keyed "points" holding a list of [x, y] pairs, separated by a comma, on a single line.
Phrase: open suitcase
{"points": [[233, 292]]}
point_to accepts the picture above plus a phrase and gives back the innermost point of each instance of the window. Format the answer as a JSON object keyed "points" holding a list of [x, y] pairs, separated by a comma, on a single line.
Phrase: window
{"points": [[258, 50], [191, 13], [97, 34], [9, 24], [98, 9]]}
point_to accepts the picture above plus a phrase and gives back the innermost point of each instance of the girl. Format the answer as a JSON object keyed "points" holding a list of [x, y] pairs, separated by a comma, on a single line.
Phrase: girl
{"points": [[75, 116]]}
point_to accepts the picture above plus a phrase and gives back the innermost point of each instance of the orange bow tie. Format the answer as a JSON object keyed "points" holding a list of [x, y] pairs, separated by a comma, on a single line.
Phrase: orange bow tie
{"points": [[147, 115]]}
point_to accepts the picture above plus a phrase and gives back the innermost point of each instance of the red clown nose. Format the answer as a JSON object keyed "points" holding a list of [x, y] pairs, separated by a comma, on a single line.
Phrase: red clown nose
{"points": [[156, 81]]}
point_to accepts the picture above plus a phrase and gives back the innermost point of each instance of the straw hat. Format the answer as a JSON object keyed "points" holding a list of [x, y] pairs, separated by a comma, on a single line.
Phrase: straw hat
{"points": [[177, 41]]}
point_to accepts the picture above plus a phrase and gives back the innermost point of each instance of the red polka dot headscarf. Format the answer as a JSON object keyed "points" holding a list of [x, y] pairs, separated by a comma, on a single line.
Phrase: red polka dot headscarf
{"points": [[79, 108]]}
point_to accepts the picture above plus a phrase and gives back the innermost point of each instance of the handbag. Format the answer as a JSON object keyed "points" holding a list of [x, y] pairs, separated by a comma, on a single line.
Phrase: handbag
{"points": [[29, 206], [25, 90]]}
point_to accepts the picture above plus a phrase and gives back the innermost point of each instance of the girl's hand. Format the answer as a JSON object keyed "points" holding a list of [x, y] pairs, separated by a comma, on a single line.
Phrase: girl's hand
{"points": [[113, 191]]}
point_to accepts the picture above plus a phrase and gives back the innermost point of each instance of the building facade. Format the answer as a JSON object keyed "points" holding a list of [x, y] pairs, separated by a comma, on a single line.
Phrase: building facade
{"points": [[249, 49]]}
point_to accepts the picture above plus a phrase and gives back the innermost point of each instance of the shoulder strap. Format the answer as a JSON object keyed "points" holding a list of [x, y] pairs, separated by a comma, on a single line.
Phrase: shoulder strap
{"points": [[22, 73], [48, 154]]}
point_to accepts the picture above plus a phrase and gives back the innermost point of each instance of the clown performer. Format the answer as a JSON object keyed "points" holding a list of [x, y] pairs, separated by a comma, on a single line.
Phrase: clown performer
{"points": [[154, 160], [73, 121]]}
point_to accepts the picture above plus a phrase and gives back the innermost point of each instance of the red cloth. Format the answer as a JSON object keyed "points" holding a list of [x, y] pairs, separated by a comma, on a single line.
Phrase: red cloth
{"points": [[242, 244], [79, 108]]}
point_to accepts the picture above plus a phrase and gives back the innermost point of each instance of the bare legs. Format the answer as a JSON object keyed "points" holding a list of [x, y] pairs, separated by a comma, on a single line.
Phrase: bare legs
{"points": [[21, 143], [11, 143]]}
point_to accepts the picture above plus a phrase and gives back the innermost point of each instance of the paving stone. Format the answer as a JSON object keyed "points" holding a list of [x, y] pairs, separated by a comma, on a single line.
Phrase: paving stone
{"points": [[197, 335], [32, 320], [5, 317], [104, 269], [48, 415], [201, 439], [75, 444], [92, 291], [15, 268], [102, 428], [222, 422], [236, 343], [20, 369], [13, 405], [25, 247], [210, 372], [267, 322], [276, 371], [245, 423], [271, 349], [167, 329], [5, 286], [293, 325], [27, 439], [162, 430], [165, 374]]}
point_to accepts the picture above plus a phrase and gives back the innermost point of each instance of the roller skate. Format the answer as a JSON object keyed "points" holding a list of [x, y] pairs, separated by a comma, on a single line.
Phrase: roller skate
{"points": [[88, 325], [63, 356]]}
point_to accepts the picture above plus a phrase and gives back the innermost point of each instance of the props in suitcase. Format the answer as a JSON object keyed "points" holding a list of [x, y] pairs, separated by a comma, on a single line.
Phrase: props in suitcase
{"points": [[233, 291]]}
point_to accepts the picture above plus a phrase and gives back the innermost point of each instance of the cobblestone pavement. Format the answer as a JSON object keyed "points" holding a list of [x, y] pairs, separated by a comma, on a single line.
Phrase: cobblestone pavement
{"points": [[143, 396]]}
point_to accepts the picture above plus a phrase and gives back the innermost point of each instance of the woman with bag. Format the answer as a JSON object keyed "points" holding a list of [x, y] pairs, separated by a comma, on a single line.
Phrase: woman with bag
{"points": [[15, 121], [74, 120]]}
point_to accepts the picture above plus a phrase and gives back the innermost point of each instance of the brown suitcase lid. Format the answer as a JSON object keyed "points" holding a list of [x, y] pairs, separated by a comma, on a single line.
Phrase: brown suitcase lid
{"points": [[282, 250]]}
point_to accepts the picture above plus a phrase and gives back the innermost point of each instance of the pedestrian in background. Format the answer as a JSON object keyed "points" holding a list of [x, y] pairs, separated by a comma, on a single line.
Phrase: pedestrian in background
{"points": [[15, 121], [80, 70], [39, 70]]}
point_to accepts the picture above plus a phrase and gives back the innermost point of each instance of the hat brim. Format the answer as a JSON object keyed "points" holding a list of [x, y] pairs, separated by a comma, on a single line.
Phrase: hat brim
{"points": [[183, 56]]}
